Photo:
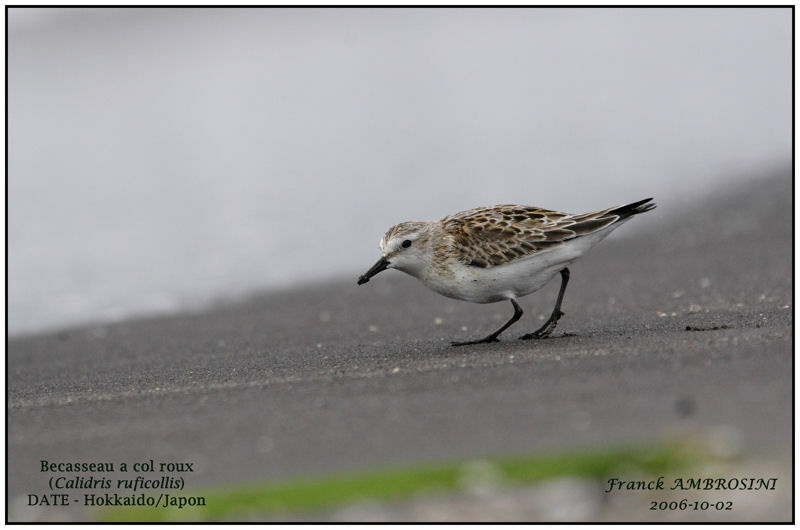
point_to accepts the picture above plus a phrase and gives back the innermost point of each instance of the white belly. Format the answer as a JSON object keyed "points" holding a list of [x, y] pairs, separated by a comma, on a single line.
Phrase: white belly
{"points": [[503, 282]]}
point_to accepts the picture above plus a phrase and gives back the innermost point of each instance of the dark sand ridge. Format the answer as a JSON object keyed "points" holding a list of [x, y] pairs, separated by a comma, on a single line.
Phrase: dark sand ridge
{"points": [[336, 377]]}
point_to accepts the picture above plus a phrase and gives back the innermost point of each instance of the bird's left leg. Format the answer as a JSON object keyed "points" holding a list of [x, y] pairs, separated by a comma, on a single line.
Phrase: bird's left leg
{"points": [[550, 325], [493, 337]]}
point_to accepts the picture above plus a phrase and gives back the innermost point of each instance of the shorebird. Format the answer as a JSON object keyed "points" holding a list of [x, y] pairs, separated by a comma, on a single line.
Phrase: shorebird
{"points": [[497, 253]]}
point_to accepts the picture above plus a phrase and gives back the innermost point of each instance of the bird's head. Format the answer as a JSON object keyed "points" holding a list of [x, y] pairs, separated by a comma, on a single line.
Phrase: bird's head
{"points": [[404, 247]]}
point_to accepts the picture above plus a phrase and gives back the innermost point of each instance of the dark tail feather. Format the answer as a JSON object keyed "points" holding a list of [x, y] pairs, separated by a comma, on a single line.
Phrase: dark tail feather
{"points": [[633, 209]]}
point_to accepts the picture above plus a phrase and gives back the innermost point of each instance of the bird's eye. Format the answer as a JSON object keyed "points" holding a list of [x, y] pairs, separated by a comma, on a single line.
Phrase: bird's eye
{"points": [[406, 243]]}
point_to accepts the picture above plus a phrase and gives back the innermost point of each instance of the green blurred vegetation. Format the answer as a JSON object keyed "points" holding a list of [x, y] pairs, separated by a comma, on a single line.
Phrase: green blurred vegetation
{"points": [[259, 501]]}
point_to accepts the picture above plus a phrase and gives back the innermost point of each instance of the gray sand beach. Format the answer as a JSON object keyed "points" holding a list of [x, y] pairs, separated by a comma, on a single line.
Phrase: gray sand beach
{"points": [[690, 320]]}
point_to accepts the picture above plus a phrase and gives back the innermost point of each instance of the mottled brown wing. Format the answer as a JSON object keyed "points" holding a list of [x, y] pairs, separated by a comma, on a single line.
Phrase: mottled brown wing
{"points": [[491, 236]]}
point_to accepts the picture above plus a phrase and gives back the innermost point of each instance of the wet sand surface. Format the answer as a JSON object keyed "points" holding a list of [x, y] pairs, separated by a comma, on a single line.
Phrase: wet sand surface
{"points": [[690, 320]]}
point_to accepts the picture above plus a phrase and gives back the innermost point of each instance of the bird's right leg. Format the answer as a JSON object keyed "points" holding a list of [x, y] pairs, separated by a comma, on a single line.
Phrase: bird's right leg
{"points": [[550, 325], [493, 337]]}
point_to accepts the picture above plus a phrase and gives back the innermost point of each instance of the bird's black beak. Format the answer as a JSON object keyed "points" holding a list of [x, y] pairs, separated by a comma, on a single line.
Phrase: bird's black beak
{"points": [[375, 269]]}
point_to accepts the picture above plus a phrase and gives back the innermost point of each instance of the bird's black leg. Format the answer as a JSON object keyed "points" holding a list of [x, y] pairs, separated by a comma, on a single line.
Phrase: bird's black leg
{"points": [[493, 336], [550, 325]]}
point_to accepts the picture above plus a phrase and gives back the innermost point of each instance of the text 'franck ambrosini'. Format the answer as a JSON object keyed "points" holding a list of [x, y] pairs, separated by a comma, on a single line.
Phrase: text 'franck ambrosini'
{"points": [[705, 483]]}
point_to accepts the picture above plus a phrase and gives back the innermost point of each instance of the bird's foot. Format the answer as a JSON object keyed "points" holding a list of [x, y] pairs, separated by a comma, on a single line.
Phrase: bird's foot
{"points": [[537, 335], [546, 330], [485, 340]]}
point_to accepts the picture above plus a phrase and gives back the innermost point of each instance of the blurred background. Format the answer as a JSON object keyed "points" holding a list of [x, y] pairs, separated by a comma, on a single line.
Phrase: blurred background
{"points": [[160, 160]]}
